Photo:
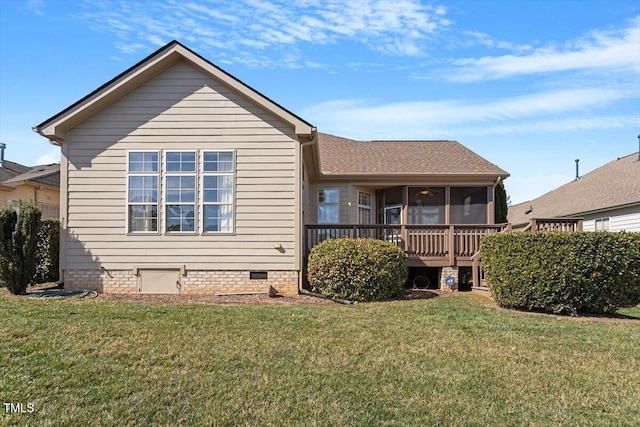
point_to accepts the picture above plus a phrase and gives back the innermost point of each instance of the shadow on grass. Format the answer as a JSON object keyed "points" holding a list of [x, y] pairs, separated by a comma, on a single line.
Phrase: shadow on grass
{"points": [[622, 314], [410, 294]]}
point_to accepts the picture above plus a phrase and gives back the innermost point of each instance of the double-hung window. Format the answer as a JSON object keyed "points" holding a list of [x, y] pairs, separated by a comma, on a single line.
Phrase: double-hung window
{"points": [[194, 188], [217, 191], [328, 206], [364, 208], [142, 198], [180, 191]]}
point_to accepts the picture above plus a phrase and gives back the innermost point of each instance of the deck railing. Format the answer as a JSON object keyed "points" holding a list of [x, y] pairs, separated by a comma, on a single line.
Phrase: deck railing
{"points": [[445, 241], [554, 224]]}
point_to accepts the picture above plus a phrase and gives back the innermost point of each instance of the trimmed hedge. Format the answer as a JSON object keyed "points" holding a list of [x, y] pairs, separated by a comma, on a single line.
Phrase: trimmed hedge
{"points": [[563, 273], [357, 269]]}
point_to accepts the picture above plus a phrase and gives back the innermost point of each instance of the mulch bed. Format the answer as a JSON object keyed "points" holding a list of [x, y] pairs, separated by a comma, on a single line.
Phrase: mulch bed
{"points": [[288, 300], [259, 299]]}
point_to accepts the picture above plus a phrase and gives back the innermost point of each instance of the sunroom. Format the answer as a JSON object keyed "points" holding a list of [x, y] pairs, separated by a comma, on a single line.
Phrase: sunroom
{"points": [[437, 225]]}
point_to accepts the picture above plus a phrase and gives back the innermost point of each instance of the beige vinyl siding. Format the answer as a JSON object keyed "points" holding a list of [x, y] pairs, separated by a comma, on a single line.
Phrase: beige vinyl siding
{"points": [[182, 109], [307, 194], [47, 199]]}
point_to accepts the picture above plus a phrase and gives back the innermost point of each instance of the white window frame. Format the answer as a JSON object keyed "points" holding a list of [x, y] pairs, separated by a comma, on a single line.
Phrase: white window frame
{"points": [[157, 174], [600, 223], [328, 204], [204, 203], [165, 204], [365, 207]]}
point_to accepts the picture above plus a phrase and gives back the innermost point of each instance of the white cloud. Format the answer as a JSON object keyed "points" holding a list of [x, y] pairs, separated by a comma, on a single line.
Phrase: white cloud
{"points": [[393, 27], [597, 50], [486, 40], [36, 6], [51, 156], [552, 111], [129, 47]]}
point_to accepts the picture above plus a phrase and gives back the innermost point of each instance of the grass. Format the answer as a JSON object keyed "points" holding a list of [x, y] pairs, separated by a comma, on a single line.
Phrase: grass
{"points": [[450, 360]]}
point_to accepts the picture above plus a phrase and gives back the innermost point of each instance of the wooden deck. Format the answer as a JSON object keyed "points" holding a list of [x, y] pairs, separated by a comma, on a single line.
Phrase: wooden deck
{"points": [[425, 245], [435, 245]]}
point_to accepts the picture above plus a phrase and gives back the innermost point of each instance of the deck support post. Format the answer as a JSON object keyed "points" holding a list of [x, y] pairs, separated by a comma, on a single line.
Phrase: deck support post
{"points": [[452, 248]]}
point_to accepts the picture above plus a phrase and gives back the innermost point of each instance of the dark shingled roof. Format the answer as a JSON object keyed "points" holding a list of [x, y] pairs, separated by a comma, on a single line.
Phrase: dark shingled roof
{"points": [[615, 184], [45, 174], [343, 156], [10, 169]]}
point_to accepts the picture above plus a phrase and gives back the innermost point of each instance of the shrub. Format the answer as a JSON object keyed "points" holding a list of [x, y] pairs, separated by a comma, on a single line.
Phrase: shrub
{"points": [[563, 273], [8, 220], [18, 246], [48, 251], [357, 269]]}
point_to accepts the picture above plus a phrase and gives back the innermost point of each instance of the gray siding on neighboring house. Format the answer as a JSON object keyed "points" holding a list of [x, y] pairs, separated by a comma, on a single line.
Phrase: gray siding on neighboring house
{"points": [[626, 219], [182, 108]]}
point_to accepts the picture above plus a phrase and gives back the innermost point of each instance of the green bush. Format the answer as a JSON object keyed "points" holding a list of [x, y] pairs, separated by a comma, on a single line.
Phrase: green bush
{"points": [[18, 246], [357, 269], [48, 251], [563, 273]]}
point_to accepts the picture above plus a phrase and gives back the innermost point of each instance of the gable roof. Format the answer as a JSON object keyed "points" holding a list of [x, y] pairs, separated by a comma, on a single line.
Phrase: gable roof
{"points": [[347, 157], [614, 185], [56, 126], [48, 175]]}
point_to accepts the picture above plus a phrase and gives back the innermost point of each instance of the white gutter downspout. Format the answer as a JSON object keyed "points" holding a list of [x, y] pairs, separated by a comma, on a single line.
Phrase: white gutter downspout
{"points": [[314, 139]]}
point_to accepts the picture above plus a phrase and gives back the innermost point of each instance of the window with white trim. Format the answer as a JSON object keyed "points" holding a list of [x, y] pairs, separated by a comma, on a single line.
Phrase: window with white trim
{"points": [[328, 206], [602, 224], [217, 191], [180, 191], [142, 191], [364, 208]]}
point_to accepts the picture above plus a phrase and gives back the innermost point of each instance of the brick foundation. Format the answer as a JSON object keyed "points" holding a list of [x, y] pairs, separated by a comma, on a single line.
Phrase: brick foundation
{"points": [[194, 282]]}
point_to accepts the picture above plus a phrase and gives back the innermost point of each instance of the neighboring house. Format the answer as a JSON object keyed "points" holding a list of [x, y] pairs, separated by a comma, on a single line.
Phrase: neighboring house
{"points": [[179, 178], [40, 184], [607, 198]]}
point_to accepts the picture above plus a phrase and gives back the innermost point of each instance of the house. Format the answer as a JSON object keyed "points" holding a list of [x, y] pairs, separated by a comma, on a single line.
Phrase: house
{"points": [[41, 184], [607, 199], [179, 178]]}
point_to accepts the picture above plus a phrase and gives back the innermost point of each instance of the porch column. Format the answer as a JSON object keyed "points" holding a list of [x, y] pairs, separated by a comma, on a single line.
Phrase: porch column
{"points": [[448, 272]]}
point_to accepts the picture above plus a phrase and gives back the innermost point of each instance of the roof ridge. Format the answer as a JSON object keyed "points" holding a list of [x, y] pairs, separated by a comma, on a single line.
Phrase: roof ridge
{"points": [[414, 140]]}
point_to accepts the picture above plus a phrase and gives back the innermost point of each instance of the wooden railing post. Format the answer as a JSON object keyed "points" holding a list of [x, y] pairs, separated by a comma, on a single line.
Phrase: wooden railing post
{"points": [[452, 250], [404, 237], [475, 269]]}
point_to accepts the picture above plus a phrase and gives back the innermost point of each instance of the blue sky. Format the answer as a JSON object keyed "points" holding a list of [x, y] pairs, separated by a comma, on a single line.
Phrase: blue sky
{"points": [[530, 85]]}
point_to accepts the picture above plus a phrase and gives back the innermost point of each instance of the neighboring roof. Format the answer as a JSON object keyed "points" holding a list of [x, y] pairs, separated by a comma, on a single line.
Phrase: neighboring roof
{"points": [[614, 185], [56, 126], [44, 175], [341, 156], [10, 169]]}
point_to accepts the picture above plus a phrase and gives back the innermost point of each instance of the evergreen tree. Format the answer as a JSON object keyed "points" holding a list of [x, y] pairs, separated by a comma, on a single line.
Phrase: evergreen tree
{"points": [[18, 246], [501, 207]]}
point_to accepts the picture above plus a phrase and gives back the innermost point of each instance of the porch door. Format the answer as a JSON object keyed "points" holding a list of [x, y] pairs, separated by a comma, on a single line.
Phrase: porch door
{"points": [[393, 216]]}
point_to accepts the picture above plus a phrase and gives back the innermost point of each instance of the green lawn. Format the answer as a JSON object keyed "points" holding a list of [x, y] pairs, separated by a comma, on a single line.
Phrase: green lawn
{"points": [[450, 360]]}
